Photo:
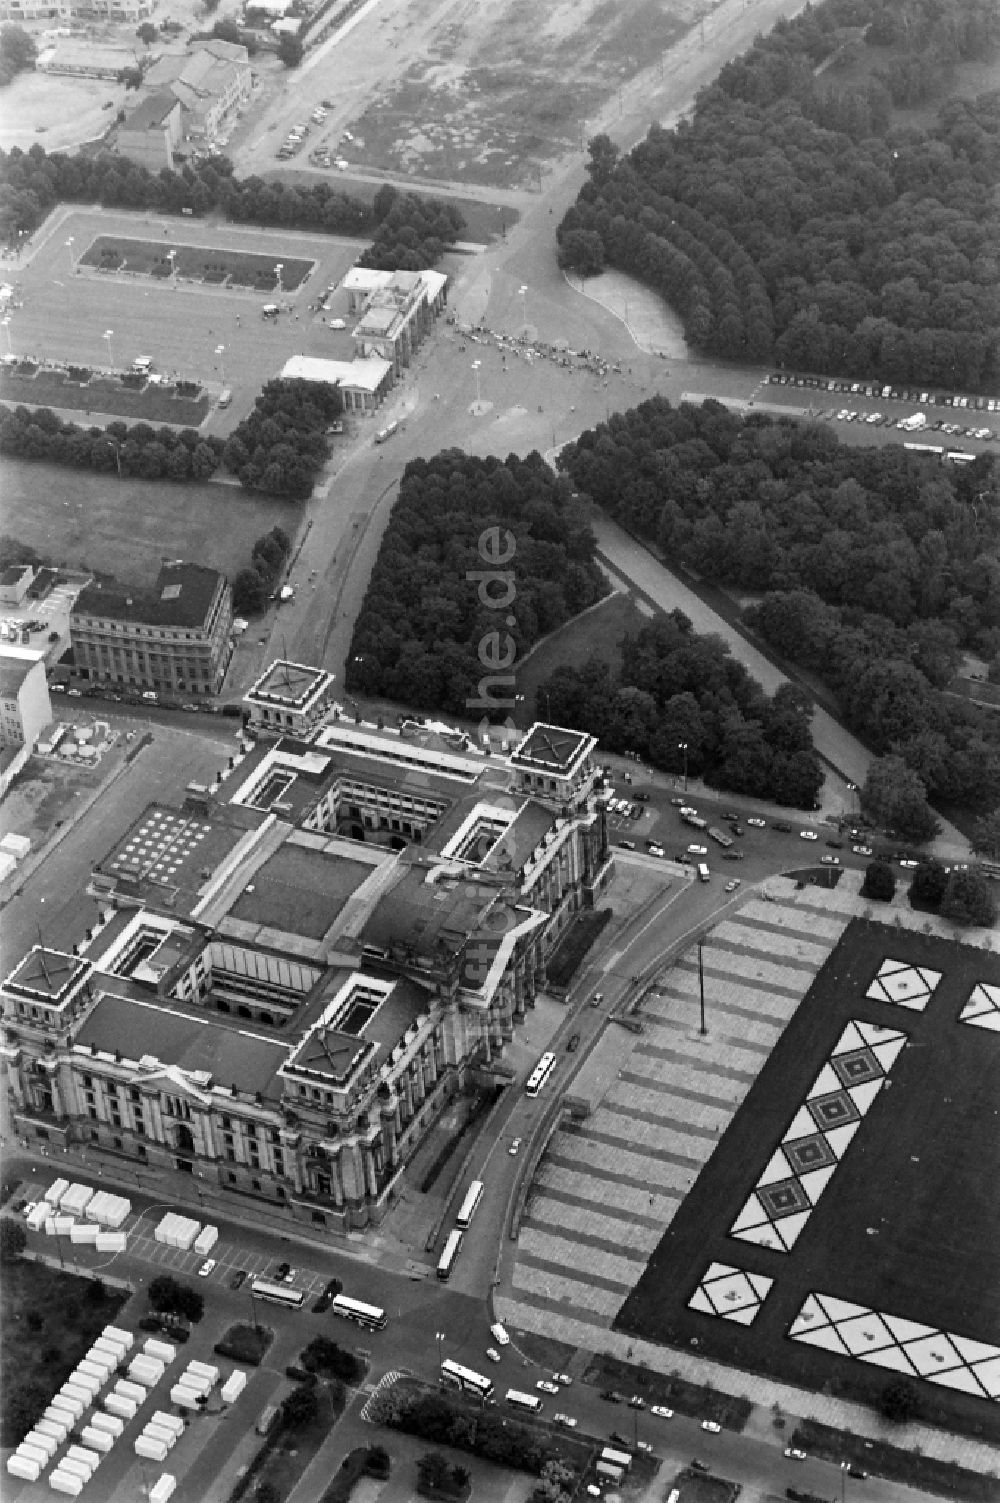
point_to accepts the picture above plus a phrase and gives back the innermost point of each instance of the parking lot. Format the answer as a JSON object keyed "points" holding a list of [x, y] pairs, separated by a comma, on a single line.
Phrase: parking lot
{"points": [[968, 418]]}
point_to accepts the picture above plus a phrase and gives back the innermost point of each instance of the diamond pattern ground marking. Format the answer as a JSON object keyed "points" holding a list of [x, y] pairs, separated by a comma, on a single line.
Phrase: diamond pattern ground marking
{"points": [[730, 1293], [983, 1007], [904, 1346], [903, 984], [819, 1134]]}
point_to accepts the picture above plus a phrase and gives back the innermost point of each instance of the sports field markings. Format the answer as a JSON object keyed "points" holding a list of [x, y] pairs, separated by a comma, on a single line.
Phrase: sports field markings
{"points": [[904, 1346], [820, 1134], [731, 1293], [903, 984], [983, 1007]]}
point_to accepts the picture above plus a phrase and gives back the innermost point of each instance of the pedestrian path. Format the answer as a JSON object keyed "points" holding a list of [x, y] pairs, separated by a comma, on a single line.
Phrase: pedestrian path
{"points": [[607, 1189]]}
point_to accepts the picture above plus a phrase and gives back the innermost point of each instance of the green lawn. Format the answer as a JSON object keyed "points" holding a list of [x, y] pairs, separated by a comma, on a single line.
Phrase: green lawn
{"points": [[594, 635], [128, 527], [48, 1321], [913, 1195], [151, 258], [150, 404]]}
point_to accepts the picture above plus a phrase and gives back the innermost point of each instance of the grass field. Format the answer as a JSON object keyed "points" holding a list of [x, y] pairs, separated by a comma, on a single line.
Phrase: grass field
{"points": [[48, 1320], [590, 637], [151, 404], [199, 263], [913, 1196], [128, 527]]}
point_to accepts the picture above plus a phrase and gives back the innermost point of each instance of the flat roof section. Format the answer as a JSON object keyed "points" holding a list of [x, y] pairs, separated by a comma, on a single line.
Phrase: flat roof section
{"points": [[46, 976], [550, 748], [289, 685], [189, 1041], [300, 891], [167, 848]]}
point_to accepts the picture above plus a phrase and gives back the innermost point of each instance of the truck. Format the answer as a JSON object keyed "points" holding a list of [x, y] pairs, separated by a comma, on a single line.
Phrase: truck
{"points": [[695, 820], [913, 423], [720, 837]]}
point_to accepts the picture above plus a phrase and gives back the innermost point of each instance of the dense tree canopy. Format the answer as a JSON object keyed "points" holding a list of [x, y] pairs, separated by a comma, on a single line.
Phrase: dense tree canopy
{"points": [[17, 52], [281, 446], [480, 559], [676, 689], [874, 568], [32, 183], [121, 448], [797, 217]]}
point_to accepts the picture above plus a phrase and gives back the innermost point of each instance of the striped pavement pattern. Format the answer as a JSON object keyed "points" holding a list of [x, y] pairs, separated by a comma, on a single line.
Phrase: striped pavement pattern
{"points": [[608, 1188]]}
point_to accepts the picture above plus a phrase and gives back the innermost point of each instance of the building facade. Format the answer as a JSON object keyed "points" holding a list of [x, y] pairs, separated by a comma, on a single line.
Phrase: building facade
{"points": [[173, 639], [296, 973], [25, 708], [152, 132]]}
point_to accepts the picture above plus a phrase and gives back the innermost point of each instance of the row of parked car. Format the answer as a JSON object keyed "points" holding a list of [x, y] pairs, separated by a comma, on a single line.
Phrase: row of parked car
{"points": [[882, 420], [888, 393]]}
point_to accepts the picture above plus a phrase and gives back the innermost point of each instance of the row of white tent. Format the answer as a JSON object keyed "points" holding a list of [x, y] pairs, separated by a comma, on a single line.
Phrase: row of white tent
{"points": [[182, 1231], [100, 1206], [103, 1427], [76, 1467]]}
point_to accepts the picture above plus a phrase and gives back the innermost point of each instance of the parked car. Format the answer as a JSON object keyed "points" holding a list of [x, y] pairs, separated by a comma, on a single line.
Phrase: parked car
{"points": [[544, 1386], [678, 803], [661, 1411], [617, 1439], [783, 826], [514, 1147], [574, 1043], [239, 1278], [697, 850], [711, 1427], [611, 1395], [830, 860], [493, 1354], [563, 1378], [808, 835], [862, 850], [835, 845], [499, 1334], [597, 999], [732, 886], [758, 824], [566, 1420], [637, 1402], [794, 1454], [282, 1271], [734, 855]]}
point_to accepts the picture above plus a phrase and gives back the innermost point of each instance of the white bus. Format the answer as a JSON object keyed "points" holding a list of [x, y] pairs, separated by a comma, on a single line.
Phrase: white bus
{"points": [[540, 1074], [452, 1248], [278, 1294], [457, 1376], [467, 1210], [617, 1458], [958, 456], [526, 1401], [369, 1316]]}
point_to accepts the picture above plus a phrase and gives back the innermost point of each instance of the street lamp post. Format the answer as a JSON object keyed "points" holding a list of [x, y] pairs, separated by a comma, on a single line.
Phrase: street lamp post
{"points": [[116, 450], [278, 269], [440, 1337], [475, 366], [220, 350], [683, 747], [172, 258], [523, 292], [6, 328], [702, 1029], [69, 247], [107, 336]]}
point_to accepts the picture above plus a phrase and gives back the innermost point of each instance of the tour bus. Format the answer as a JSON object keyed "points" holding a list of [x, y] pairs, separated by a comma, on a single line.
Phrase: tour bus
{"points": [[467, 1210], [386, 433], [369, 1316], [278, 1294], [526, 1401], [540, 1074], [452, 1248], [457, 1376]]}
